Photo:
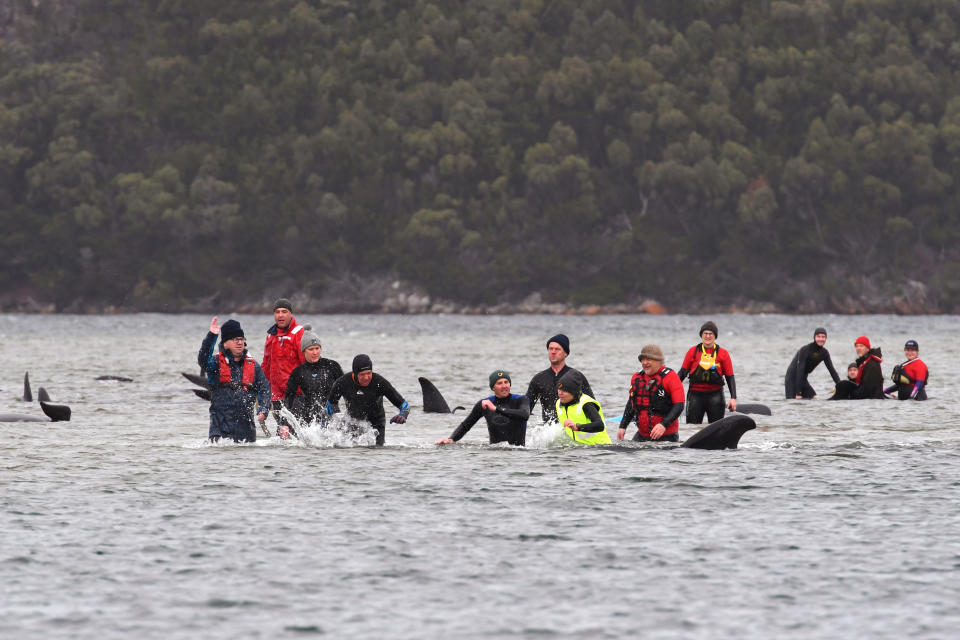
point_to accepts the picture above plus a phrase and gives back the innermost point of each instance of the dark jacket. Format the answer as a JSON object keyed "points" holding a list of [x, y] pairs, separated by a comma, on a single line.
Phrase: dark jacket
{"points": [[508, 423], [232, 408], [871, 376], [308, 387], [543, 387]]}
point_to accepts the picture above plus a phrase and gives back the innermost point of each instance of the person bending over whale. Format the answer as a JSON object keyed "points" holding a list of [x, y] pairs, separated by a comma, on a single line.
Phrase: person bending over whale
{"points": [[309, 384], [364, 391], [910, 377], [708, 364], [655, 400], [580, 415], [868, 383], [804, 362], [506, 414], [237, 383]]}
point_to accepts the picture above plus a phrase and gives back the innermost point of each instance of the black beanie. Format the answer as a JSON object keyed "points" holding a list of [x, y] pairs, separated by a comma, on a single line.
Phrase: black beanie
{"points": [[362, 362], [230, 330], [283, 303], [497, 375], [709, 326], [570, 382], [561, 340], [818, 331]]}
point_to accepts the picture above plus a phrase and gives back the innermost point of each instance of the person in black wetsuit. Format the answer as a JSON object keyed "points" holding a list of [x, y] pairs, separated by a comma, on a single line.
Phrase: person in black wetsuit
{"points": [[309, 384], [506, 414], [869, 381], [805, 361], [543, 386], [364, 391]]}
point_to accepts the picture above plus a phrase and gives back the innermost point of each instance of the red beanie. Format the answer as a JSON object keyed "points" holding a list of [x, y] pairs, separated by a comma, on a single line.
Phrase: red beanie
{"points": [[864, 340]]}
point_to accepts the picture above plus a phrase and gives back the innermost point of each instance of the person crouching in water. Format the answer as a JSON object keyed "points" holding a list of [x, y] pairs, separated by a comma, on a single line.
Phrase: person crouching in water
{"points": [[869, 381], [580, 415], [910, 377], [506, 414], [237, 384], [363, 391], [310, 383], [655, 400]]}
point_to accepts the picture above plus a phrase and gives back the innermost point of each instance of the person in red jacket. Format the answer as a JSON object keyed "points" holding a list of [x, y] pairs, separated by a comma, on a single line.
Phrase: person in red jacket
{"points": [[281, 354], [910, 377], [708, 364], [655, 400]]}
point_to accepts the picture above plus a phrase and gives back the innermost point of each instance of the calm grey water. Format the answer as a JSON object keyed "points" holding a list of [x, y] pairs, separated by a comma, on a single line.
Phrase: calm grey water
{"points": [[831, 520]]}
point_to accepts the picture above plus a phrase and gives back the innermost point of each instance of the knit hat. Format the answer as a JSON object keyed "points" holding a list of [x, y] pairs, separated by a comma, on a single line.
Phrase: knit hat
{"points": [[362, 362], [911, 344], [498, 375], [818, 331], [652, 352], [309, 339], [230, 330], [561, 340], [864, 340], [283, 303], [709, 326], [570, 382]]}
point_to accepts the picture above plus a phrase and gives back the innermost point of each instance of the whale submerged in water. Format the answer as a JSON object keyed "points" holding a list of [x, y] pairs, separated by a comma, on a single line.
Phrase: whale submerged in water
{"points": [[53, 412]]}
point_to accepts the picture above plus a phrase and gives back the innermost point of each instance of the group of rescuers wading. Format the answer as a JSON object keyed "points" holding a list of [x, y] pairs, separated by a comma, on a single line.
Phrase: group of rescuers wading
{"points": [[294, 375]]}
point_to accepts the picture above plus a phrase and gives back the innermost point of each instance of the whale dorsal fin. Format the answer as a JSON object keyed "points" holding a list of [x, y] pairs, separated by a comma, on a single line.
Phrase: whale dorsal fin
{"points": [[433, 401]]}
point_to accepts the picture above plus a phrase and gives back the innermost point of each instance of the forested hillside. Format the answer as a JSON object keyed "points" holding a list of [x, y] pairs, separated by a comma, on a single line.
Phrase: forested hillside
{"points": [[702, 153]]}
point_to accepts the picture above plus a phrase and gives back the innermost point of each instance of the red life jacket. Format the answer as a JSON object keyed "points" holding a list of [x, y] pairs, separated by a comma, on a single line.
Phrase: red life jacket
{"points": [[246, 379], [649, 394]]}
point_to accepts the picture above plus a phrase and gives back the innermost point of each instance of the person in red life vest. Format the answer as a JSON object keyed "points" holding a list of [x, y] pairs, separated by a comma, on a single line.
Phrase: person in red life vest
{"points": [[655, 400], [708, 364], [910, 377], [869, 381], [281, 355], [237, 383]]}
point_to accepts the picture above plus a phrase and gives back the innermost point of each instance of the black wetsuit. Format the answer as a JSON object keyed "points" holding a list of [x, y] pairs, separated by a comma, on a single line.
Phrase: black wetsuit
{"points": [[366, 403], [314, 380], [871, 380], [806, 359], [507, 424], [543, 387]]}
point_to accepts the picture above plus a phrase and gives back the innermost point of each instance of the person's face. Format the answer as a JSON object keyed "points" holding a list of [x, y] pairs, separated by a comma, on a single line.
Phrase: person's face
{"points": [[555, 353], [364, 378], [564, 395], [852, 372], [312, 353], [282, 317], [861, 349], [235, 346], [911, 353], [820, 339], [501, 388], [649, 366], [708, 338]]}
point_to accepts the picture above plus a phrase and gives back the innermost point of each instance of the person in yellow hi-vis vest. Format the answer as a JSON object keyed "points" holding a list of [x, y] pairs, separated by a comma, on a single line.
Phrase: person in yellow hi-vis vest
{"points": [[580, 415]]}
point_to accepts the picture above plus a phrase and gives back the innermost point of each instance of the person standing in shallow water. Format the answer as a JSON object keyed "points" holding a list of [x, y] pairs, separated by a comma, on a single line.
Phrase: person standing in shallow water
{"points": [[543, 386], [708, 364], [655, 399], [281, 355], [804, 362], [868, 383], [310, 383], [237, 383], [580, 415], [364, 391], [506, 414], [910, 377]]}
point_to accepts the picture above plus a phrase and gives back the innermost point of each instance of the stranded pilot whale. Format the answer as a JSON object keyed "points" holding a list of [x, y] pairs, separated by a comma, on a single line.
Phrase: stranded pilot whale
{"points": [[759, 409], [725, 433], [53, 412], [433, 401]]}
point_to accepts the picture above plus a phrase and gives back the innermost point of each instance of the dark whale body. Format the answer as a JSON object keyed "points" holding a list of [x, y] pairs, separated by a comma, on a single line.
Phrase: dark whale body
{"points": [[725, 433], [433, 401], [747, 407]]}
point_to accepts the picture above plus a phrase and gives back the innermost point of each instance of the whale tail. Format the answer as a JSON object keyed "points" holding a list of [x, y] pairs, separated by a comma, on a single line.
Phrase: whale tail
{"points": [[759, 409], [56, 412], [725, 433], [433, 401], [27, 394]]}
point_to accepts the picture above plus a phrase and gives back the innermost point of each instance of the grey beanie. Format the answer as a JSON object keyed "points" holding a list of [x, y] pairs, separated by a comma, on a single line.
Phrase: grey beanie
{"points": [[283, 303], [309, 339]]}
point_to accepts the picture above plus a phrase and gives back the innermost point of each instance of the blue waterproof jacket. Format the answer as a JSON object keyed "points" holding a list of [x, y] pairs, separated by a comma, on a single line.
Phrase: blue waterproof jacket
{"points": [[232, 408]]}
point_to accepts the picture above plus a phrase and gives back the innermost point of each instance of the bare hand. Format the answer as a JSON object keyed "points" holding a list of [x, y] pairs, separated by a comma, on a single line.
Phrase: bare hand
{"points": [[621, 433], [799, 397], [214, 326], [486, 404], [444, 441], [261, 417], [570, 424], [732, 404], [657, 431]]}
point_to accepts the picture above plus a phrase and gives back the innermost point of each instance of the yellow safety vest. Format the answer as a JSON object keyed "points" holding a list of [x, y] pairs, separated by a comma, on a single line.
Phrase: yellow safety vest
{"points": [[575, 413]]}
